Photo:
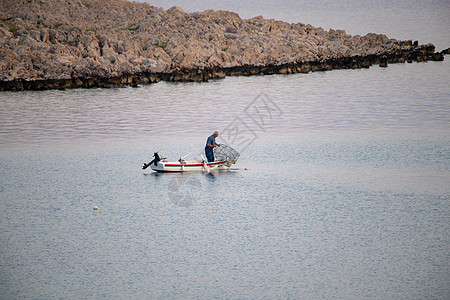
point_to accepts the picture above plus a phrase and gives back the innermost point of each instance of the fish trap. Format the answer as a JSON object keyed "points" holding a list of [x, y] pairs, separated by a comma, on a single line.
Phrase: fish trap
{"points": [[225, 152]]}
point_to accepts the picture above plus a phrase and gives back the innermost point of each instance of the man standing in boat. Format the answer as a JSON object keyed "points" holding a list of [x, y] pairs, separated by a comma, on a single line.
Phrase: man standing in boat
{"points": [[210, 145]]}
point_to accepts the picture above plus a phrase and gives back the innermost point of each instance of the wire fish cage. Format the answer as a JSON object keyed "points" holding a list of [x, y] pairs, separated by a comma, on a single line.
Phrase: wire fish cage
{"points": [[225, 152]]}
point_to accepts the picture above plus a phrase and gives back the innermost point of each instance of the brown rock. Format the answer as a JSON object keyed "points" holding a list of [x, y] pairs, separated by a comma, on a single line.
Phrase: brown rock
{"points": [[84, 43]]}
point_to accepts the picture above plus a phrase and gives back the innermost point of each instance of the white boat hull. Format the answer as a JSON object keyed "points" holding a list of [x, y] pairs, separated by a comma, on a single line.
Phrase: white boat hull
{"points": [[163, 166]]}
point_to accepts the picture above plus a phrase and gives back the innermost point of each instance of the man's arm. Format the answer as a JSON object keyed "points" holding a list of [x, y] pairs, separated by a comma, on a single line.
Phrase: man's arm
{"points": [[211, 142]]}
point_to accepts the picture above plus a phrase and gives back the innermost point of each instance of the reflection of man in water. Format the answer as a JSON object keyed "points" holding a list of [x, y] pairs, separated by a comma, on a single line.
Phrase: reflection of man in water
{"points": [[210, 145]]}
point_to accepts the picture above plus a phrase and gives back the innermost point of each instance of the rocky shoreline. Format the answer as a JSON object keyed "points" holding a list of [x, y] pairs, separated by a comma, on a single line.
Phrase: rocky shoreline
{"points": [[52, 44]]}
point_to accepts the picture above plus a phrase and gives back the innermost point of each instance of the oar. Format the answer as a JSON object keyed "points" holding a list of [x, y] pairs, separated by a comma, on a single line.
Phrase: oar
{"points": [[204, 164], [185, 156]]}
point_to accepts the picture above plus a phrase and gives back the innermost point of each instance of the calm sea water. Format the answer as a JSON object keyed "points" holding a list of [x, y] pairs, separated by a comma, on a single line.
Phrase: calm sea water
{"points": [[341, 190]]}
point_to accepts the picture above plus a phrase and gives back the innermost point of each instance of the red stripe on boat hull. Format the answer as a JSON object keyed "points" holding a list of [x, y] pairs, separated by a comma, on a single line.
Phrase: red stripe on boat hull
{"points": [[194, 165]]}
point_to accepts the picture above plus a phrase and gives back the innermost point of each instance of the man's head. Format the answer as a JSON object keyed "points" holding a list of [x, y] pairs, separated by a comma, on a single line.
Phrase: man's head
{"points": [[215, 134]]}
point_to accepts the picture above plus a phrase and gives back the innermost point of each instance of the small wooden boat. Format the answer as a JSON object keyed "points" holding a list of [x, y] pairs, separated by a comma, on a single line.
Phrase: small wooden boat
{"points": [[165, 166], [225, 157]]}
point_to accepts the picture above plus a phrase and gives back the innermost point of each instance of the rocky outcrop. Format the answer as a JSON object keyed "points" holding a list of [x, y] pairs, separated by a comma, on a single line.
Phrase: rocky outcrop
{"points": [[47, 44]]}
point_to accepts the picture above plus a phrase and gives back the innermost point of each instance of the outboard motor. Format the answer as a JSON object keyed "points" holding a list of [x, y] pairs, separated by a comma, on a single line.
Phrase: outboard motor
{"points": [[155, 160]]}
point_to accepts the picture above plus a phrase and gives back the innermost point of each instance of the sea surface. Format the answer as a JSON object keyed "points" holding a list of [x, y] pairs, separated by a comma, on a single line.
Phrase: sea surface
{"points": [[341, 190]]}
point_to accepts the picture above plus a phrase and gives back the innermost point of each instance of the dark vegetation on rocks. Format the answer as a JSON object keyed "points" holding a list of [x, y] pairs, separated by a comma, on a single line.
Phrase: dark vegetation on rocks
{"points": [[57, 44]]}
